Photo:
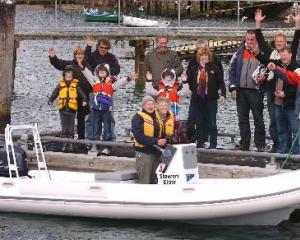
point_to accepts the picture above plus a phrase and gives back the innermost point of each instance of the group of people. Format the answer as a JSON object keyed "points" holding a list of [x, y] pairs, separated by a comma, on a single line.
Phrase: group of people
{"points": [[252, 73], [90, 79]]}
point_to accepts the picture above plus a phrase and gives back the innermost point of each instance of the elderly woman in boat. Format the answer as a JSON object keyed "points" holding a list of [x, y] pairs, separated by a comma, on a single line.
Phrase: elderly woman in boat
{"points": [[146, 132], [166, 119]]}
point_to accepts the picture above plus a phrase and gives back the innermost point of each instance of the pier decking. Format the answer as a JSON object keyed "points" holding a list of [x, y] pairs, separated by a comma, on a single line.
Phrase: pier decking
{"points": [[139, 33]]}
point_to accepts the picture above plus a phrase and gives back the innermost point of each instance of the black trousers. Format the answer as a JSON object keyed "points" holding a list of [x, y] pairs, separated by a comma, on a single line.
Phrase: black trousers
{"points": [[67, 120], [81, 113], [251, 99]]}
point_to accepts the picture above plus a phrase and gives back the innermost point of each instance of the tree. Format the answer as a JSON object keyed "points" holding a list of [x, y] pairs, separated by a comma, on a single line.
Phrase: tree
{"points": [[7, 31]]}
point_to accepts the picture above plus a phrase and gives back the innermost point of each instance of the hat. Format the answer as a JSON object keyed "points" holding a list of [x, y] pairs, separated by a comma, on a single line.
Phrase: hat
{"points": [[102, 67], [146, 99], [168, 72]]}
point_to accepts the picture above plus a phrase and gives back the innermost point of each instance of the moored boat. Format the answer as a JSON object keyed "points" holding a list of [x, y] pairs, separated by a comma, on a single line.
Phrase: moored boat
{"points": [[141, 22], [179, 195], [96, 16]]}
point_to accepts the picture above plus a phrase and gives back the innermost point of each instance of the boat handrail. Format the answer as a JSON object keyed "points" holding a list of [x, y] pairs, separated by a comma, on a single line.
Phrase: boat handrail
{"points": [[41, 162]]}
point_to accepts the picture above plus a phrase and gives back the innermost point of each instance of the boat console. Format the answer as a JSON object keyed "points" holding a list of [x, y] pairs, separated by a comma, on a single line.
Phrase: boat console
{"points": [[178, 165]]}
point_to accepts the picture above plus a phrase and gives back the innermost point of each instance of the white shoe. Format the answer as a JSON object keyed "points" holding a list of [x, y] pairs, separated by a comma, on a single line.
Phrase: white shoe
{"points": [[106, 151]]}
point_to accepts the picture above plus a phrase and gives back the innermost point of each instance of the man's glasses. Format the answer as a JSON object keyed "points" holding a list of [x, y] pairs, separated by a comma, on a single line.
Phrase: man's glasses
{"points": [[103, 47]]}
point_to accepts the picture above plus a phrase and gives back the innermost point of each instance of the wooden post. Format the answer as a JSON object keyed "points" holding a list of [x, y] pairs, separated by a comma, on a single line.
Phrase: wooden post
{"points": [[7, 44], [140, 48]]}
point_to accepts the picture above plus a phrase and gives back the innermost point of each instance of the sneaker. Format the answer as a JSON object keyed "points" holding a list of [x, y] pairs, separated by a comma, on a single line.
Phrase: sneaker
{"points": [[106, 151]]}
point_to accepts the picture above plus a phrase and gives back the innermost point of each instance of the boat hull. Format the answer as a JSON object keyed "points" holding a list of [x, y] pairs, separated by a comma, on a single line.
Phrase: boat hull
{"points": [[140, 22], [102, 18], [192, 215], [213, 202]]}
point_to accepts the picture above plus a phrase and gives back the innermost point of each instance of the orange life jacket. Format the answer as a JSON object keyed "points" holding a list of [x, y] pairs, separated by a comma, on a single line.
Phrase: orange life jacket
{"points": [[104, 88], [169, 92]]}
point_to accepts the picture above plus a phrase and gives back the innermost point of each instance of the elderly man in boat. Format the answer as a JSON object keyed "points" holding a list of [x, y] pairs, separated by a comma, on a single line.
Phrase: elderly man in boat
{"points": [[151, 130]]}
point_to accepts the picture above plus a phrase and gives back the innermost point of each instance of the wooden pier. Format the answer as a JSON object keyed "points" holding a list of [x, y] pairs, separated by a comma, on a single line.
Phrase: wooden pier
{"points": [[169, 8]]}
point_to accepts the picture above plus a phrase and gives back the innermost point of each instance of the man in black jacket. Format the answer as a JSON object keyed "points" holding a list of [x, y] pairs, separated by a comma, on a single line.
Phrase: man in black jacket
{"points": [[283, 96], [101, 55], [60, 64]]}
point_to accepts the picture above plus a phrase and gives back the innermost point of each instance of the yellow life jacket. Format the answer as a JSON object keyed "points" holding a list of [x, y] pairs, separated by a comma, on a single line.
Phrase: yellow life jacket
{"points": [[68, 95], [148, 127], [167, 127]]}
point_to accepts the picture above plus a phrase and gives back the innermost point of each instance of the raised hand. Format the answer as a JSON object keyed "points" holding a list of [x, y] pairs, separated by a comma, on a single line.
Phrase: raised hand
{"points": [[259, 17], [89, 40], [297, 21], [149, 76], [51, 52]]}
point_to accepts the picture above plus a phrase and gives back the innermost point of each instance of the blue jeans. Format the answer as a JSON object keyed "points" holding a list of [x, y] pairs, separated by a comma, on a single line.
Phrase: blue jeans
{"points": [[271, 110], [192, 120], [94, 125], [206, 119], [286, 123]]}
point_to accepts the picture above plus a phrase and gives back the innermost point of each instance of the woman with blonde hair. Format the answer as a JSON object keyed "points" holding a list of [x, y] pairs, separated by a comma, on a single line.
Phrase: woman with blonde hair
{"points": [[206, 80]]}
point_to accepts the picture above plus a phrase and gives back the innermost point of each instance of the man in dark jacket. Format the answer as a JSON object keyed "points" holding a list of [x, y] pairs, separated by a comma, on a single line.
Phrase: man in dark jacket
{"points": [[146, 132], [283, 98], [280, 41], [248, 96], [101, 55], [60, 64]]}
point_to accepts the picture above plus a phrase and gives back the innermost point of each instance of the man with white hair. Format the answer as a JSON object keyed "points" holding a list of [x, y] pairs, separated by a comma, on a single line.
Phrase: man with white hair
{"points": [[147, 136]]}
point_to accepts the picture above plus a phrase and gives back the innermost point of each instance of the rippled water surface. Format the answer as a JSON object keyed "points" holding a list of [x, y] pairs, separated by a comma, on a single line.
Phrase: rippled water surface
{"points": [[41, 227], [36, 78]]}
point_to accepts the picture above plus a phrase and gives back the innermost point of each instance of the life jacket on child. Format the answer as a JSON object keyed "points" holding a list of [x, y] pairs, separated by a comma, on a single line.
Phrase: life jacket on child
{"points": [[102, 90], [68, 95], [169, 92], [168, 88]]}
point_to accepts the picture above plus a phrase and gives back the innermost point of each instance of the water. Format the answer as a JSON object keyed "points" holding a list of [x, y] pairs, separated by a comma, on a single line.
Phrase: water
{"points": [[40, 227], [36, 78]]}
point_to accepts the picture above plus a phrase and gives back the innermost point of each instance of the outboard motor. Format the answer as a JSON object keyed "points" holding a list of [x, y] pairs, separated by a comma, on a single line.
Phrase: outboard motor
{"points": [[178, 165]]}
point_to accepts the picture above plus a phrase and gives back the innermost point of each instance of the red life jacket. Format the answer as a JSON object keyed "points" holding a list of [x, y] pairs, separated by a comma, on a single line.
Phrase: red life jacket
{"points": [[169, 92], [104, 88]]}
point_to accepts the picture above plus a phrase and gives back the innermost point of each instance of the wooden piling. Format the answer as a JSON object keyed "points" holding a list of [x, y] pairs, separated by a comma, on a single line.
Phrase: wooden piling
{"points": [[7, 43], [140, 48]]}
